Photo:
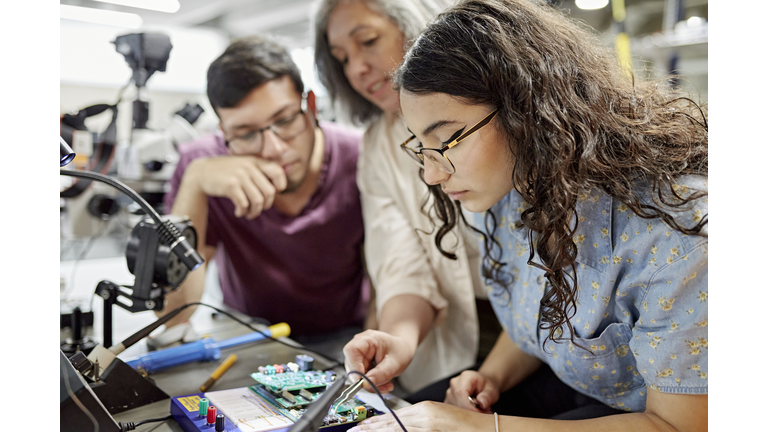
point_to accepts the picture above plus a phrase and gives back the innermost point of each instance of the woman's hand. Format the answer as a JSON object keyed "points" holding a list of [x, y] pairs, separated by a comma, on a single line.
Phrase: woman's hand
{"points": [[429, 416], [472, 383], [380, 356]]}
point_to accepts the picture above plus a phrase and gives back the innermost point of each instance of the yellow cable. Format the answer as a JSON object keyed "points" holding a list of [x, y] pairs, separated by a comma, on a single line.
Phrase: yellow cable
{"points": [[623, 51], [619, 12]]}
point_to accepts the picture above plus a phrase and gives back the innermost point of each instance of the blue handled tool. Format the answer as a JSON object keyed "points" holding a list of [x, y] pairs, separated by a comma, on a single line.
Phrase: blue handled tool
{"points": [[205, 349]]}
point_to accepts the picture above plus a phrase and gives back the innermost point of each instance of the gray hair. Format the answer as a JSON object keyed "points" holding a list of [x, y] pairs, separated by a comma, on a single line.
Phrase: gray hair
{"points": [[410, 16]]}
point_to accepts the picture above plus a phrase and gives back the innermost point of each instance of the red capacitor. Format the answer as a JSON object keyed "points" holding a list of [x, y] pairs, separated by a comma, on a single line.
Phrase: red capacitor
{"points": [[211, 417]]}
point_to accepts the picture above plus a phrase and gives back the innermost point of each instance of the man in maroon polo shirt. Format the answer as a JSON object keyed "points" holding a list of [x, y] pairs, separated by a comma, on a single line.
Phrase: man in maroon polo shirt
{"points": [[274, 200]]}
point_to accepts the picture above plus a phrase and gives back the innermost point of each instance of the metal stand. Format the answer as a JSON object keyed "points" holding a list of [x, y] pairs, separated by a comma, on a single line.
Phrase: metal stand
{"points": [[156, 267], [77, 342], [109, 291]]}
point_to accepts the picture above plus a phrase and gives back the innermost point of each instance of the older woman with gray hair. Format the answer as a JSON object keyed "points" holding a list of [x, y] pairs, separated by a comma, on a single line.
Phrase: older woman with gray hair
{"points": [[427, 305]]}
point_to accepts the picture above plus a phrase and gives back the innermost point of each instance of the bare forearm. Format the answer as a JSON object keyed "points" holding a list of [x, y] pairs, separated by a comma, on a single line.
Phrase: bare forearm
{"points": [[192, 202], [665, 412], [407, 316], [190, 291], [630, 422], [507, 365]]}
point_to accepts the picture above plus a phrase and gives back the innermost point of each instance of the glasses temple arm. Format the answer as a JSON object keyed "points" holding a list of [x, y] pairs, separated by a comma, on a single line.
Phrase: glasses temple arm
{"points": [[474, 129]]}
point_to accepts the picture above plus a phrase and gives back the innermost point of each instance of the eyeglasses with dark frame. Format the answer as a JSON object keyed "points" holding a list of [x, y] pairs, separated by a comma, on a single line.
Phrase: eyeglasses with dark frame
{"points": [[287, 128], [437, 156]]}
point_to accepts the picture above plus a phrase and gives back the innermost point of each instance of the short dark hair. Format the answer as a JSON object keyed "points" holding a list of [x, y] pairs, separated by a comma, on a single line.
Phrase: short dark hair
{"points": [[246, 64]]}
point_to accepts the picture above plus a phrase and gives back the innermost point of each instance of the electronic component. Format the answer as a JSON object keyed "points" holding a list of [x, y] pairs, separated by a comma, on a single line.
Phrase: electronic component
{"points": [[290, 389], [305, 362], [278, 400], [191, 413], [360, 412], [294, 391], [211, 418], [344, 397], [287, 395]]}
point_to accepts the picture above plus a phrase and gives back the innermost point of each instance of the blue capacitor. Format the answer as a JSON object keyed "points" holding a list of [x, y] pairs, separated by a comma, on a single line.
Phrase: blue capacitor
{"points": [[305, 362]]}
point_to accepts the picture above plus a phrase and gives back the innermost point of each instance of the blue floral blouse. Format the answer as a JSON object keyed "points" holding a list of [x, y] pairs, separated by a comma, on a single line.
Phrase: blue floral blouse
{"points": [[641, 299]]}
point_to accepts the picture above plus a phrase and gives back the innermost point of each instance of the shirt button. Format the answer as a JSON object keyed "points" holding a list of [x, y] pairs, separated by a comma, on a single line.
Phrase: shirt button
{"points": [[540, 279], [519, 225]]}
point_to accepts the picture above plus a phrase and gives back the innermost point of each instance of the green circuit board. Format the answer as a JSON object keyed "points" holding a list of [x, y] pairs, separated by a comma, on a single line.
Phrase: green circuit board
{"points": [[293, 382], [292, 391]]}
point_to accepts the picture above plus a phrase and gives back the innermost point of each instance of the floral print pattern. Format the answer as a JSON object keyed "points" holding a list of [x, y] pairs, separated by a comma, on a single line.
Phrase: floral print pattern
{"points": [[641, 315]]}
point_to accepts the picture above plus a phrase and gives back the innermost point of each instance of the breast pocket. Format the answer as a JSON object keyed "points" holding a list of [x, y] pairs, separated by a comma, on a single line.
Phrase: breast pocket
{"points": [[499, 290], [608, 372]]}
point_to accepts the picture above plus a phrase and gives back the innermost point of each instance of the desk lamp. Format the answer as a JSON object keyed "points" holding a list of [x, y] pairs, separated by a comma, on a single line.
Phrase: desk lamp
{"points": [[160, 255], [67, 154]]}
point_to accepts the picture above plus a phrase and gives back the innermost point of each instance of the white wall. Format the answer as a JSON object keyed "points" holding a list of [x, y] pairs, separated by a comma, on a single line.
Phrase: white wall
{"points": [[92, 71], [88, 57]]}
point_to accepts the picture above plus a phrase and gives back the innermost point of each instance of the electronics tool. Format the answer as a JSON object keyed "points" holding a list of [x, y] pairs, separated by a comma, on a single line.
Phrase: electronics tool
{"points": [[77, 398], [223, 367], [346, 395], [205, 349], [286, 398]]}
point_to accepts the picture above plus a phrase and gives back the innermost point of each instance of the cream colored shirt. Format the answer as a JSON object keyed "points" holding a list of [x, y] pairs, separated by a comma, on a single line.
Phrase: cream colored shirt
{"points": [[402, 257]]}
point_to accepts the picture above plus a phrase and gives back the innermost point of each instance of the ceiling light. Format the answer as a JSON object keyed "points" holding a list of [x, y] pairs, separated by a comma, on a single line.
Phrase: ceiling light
{"points": [[591, 4], [100, 16], [169, 6]]}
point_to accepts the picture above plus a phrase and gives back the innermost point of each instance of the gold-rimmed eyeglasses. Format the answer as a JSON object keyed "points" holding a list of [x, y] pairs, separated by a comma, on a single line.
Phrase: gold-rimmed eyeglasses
{"points": [[436, 156], [285, 128]]}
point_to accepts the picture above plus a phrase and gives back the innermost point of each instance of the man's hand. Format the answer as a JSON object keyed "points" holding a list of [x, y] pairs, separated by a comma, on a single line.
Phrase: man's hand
{"points": [[249, 182], [472, 383], [380, 356]]}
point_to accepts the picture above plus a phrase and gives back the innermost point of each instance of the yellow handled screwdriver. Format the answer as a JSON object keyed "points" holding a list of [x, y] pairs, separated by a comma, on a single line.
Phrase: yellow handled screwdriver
{"points": [[223, 367]]}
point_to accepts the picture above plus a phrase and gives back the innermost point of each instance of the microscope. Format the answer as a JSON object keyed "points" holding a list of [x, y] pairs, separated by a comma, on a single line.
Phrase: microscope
{"points": [[146, 161], [151, 156]]}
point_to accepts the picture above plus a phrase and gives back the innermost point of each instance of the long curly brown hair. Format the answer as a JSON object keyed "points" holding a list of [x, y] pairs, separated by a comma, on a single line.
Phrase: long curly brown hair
{"points": [[575, 121]]}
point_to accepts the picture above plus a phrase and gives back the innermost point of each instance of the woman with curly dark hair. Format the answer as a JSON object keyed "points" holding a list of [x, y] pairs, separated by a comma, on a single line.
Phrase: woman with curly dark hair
{"points": [[590, 189]]}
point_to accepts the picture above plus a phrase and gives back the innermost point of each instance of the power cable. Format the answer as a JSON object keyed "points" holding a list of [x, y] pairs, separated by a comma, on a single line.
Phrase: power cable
{"points": [[129, 426], [326, 356], [381, 397]]}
